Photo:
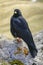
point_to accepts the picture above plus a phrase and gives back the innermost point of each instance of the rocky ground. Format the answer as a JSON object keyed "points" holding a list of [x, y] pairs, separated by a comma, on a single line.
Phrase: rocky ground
{"points": [[14, 50]]}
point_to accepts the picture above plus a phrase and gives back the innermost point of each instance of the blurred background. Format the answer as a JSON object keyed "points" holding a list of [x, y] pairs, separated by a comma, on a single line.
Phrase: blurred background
{"points": [[32, 10]]}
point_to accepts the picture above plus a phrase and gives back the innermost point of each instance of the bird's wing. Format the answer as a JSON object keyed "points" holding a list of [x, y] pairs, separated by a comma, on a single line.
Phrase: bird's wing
{"points": [[24, 23], [27, 35]]}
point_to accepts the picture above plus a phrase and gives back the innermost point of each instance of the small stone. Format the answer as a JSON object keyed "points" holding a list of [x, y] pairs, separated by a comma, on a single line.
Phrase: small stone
{"points": [[41, 48], [42, 42], [34, 64]]}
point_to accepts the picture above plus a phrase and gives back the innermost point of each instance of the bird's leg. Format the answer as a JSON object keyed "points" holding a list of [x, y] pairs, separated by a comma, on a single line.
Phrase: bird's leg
{"points": [[19, 39]]}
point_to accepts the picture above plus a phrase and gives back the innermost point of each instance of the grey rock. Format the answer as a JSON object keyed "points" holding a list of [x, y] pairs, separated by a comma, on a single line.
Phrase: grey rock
{"points": [[8, 47]]}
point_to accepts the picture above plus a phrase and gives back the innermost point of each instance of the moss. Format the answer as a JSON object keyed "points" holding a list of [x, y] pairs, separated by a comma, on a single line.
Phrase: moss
{"points": [[17, 62]]}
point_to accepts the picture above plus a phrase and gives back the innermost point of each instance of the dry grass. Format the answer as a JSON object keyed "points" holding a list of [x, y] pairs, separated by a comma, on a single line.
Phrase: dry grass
{"points": [[32, 12]]}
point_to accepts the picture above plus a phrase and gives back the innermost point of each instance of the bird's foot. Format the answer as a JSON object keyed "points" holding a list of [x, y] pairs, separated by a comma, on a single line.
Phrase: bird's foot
{"points": [[18, 39]]}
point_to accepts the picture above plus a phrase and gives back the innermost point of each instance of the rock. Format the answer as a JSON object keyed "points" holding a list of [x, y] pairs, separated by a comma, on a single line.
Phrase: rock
{"points": [[4, 54], [12, 49]]}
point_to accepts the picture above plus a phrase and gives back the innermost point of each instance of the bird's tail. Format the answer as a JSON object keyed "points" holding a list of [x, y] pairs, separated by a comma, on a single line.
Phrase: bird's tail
{"points": [[33, 52]]}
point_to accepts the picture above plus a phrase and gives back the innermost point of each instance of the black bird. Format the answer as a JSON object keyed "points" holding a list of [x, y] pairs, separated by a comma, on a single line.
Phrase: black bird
{"points": [[19, 28]]}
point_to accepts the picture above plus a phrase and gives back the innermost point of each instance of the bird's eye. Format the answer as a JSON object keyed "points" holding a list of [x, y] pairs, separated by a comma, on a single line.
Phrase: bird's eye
{"points": [[15, 12]]}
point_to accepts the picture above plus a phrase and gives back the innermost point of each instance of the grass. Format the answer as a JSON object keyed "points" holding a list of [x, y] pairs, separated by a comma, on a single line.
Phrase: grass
{"points": [[32, 12]]}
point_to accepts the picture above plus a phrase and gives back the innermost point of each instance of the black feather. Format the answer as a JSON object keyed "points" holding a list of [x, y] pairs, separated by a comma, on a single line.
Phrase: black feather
{"points": [[19, 28]]}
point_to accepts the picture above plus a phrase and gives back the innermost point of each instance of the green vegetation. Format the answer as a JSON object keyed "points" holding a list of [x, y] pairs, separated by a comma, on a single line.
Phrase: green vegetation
{"points": [[16, 62]]}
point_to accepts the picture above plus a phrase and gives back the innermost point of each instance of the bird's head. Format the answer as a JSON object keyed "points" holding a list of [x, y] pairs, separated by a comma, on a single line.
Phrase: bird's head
{"points": [[17, 13]]}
